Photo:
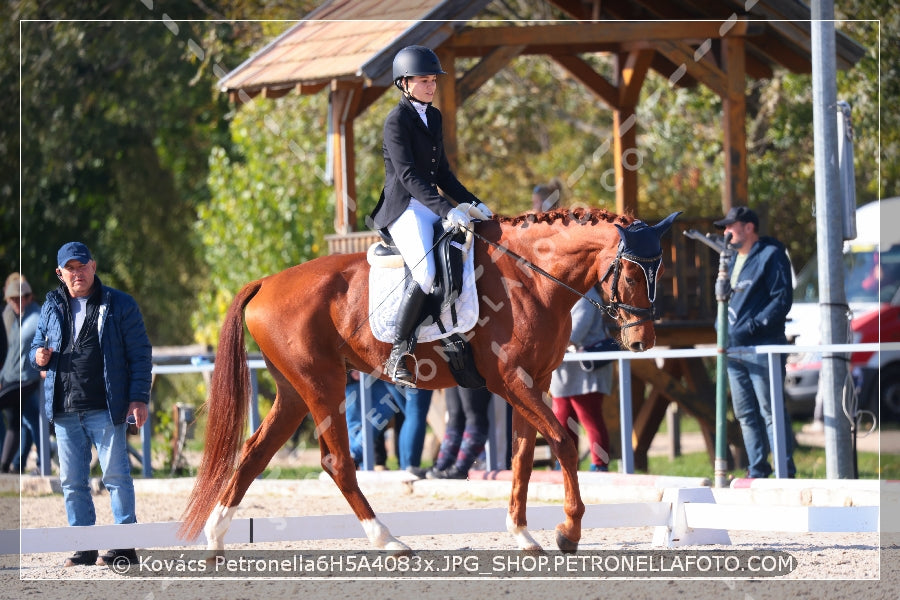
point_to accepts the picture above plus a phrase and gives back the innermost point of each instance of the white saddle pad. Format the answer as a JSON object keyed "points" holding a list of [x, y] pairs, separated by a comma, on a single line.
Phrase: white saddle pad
{"points": [[386, 286]]}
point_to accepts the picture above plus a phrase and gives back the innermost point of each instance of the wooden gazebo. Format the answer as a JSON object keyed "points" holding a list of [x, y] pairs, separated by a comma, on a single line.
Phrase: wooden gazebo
{"points": [[347, 46]]}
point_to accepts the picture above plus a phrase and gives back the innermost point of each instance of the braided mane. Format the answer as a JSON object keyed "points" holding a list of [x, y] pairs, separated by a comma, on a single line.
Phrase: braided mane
{"points": [[580, 215]]}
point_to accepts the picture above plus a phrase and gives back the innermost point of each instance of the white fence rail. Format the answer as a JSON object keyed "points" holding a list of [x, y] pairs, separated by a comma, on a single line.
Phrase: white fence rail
{"points": [[623, 359]]}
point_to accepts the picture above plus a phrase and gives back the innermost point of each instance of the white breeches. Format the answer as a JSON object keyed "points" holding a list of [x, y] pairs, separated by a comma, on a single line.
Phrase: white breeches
{"points": [[413, 233]]}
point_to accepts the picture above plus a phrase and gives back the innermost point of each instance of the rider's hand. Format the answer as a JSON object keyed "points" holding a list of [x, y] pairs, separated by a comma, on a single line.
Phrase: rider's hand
{"points": [[481, 207], [457, 218]]}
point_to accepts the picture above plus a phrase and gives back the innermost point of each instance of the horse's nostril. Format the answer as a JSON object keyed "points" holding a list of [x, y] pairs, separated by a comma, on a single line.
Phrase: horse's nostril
{"points": [[637, 346]]}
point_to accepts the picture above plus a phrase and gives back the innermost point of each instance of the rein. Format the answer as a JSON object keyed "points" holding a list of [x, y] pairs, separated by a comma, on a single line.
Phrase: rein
{"points": [[611, 309]]}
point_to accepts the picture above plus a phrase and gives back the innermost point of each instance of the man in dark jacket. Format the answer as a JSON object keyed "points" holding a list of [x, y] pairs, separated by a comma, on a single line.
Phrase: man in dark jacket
{"points": [[92, 343], [761, 297]]}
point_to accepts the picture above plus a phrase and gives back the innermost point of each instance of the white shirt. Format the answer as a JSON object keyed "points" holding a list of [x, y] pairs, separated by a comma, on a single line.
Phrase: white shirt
{"points": [[79, 312]]}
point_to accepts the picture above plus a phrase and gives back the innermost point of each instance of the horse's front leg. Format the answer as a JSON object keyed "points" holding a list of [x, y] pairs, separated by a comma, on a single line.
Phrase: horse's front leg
{"points": [[523, 437], [568, 533]]}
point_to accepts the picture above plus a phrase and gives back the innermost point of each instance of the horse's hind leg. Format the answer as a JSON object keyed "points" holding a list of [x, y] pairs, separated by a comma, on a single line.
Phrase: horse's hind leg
{"points": [[282, 421], [337, 461]]}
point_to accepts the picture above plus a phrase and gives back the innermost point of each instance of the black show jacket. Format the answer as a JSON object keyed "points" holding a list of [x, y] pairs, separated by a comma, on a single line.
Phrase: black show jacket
{"points": [[415, 165]]}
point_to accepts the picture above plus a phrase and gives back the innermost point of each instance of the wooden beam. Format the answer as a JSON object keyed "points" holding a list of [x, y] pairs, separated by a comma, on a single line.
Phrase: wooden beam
{"points": [[447, 102], [486, 68], [734, 112], [589, 78], [687, 60], [369, 96], [344, 98], [632, 73], [607, 31], [574, 8]]}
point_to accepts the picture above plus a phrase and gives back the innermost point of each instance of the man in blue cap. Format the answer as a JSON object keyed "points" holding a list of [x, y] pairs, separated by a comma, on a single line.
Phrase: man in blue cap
{"points": [[93, 345], [761, 297]]}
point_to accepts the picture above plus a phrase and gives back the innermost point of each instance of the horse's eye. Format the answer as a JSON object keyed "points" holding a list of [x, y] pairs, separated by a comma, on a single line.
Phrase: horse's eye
{"points": [[630, 280]]}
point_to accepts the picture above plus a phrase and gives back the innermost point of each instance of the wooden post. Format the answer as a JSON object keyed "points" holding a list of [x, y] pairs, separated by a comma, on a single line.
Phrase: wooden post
{"points": [[734, 107], [446, 101], [631, 70], [344, 99]]}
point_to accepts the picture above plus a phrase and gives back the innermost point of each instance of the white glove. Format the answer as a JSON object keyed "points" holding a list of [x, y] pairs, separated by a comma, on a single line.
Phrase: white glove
{"points": [[478, 211], [485, 212], [457, 218]]}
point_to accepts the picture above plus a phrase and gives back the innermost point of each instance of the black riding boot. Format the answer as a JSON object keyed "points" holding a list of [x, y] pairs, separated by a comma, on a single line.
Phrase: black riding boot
{"points": [[408, 316]]}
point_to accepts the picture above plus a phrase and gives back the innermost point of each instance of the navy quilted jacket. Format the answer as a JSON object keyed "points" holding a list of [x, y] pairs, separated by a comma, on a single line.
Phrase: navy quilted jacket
{"points": [[761, 297], [127, 353]]}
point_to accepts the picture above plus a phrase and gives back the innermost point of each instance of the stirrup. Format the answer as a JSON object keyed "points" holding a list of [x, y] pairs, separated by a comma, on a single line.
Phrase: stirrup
{"points": [[404, 376]]}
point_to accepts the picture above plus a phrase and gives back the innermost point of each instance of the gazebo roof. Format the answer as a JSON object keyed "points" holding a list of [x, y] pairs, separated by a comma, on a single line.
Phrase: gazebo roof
{"points": [[347, 40], [356, 40]]}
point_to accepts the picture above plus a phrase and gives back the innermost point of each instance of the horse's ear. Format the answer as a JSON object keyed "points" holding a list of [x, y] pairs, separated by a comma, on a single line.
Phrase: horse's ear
{"points": [[663, 226]]}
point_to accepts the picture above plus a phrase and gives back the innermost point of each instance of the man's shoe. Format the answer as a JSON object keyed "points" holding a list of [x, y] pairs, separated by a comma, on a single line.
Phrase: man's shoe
{"points": [[82, 557], [417, 471], [117, 557], [450, 472]]}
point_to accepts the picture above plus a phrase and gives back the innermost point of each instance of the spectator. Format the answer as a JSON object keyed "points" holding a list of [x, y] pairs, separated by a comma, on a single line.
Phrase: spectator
{"points": [[761, 297], [415, 167], [466, 433], [390, 402], [92, 342], [19, 380], [578, 389], [546, 196]]}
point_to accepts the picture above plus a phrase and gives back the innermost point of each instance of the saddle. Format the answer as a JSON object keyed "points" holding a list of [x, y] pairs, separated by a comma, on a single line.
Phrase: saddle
{"points": [[450, 258]]}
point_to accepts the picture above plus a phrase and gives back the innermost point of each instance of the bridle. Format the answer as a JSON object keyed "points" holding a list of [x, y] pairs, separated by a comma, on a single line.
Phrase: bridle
{"points": [[615, 267], [615, 305]]}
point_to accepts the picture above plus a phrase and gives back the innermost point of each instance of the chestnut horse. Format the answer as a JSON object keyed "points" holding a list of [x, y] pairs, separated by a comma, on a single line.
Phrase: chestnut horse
{"points": [[310, 324]]}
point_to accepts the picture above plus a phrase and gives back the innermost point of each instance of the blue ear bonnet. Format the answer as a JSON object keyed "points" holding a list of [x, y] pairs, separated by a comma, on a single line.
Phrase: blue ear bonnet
{"points": [[639, 244]]}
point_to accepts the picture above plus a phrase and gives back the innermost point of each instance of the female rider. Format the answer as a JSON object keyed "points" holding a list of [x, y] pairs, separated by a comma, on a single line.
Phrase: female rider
{"points": [[415, 167]]}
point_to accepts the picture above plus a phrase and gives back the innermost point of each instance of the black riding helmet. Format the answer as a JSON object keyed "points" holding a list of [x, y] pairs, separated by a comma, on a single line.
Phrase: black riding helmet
{"points": [[415, 61]]}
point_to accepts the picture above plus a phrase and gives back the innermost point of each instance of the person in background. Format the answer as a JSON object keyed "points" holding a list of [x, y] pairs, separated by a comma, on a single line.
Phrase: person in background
{"points": [[466, 433], [19, 379], [546, 196], [761, 296], [93, 345], [408, 407], [578, 388]]}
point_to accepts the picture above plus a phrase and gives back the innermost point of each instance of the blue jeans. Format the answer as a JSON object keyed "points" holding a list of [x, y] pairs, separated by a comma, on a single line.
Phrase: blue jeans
{"points": [[388, 400], [75, 434], [748, 376], [31, 430]]}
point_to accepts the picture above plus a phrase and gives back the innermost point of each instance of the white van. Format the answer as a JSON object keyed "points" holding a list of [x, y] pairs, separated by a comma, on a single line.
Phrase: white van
{"points": [[871, 281]]}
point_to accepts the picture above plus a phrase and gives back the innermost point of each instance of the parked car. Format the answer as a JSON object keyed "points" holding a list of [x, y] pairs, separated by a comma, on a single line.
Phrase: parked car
{"points": [[871, 282]]}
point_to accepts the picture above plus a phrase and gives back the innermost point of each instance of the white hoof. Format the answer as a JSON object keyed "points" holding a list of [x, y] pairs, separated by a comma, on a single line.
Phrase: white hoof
{"points": [[523, 539], [217, 526], [381, 538]]}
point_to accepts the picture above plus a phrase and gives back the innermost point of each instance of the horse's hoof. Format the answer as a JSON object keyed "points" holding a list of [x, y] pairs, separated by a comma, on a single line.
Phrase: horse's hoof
{"points": [[397, 548], [533, 551], [565, 544]]}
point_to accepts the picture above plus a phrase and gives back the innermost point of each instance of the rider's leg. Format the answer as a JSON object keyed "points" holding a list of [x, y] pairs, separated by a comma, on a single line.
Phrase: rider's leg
{"points": [[413, 233]]}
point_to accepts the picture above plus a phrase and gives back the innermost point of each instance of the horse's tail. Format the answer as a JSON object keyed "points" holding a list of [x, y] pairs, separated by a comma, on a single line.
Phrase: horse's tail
{"points": [[226, 416]]}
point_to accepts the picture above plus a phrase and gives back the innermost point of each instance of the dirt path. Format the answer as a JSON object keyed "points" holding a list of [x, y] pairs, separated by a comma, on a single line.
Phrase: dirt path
{"points": [[830, 565]]}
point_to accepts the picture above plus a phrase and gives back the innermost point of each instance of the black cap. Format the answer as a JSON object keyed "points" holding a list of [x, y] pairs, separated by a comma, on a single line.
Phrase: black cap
{"points": [[738, 213]]}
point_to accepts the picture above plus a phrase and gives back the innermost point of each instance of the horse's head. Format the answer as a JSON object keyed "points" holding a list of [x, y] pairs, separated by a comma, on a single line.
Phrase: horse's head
{"points": [[630, 281]]}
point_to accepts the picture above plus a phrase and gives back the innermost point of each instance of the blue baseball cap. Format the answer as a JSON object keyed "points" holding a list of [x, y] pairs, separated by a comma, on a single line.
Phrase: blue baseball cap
{"points": [[73, 251]]}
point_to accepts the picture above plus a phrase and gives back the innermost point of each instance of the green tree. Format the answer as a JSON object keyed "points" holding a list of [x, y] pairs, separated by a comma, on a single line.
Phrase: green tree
{"points": [[270, 205]]}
